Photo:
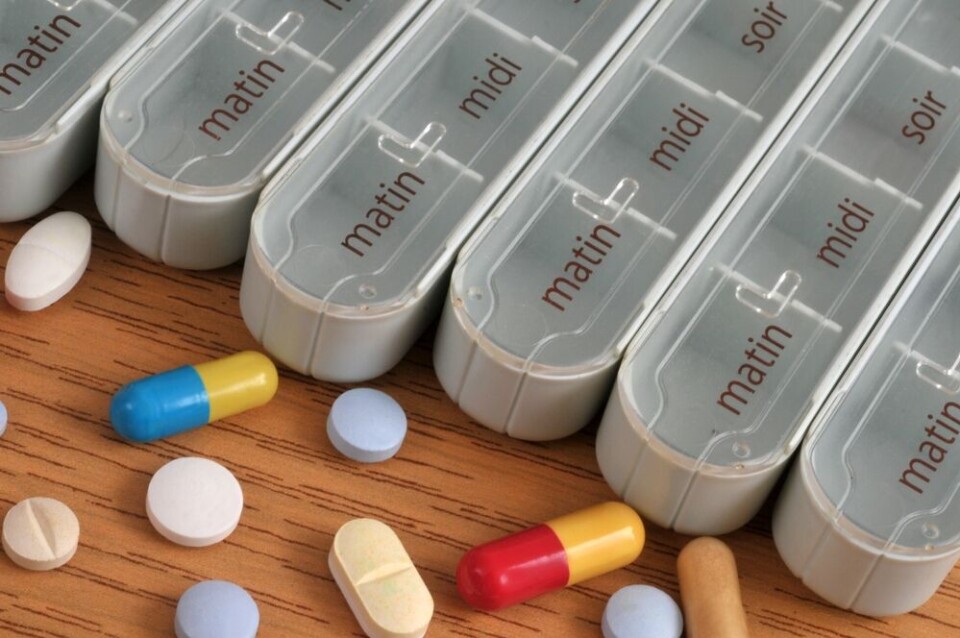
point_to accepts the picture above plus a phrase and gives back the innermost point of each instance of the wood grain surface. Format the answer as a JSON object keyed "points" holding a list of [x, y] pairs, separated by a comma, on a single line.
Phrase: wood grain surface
{"points": [[454, 484]]}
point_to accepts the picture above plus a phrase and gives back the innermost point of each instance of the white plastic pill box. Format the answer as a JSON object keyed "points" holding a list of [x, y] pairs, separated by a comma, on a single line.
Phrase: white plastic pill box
{"points": [[198, 122], [548, 293], [350, 248], [869, 518], [56, 59], [717, 391]]}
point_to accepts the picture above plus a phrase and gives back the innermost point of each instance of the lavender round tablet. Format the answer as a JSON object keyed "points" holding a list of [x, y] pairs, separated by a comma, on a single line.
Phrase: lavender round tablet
{"points": [[216, 609], [366, 425], [3, 418], [641, 611]]}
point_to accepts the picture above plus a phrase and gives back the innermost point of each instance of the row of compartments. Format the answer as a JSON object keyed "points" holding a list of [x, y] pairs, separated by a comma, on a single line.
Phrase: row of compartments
{"points": [[717, 392], [664, 164]]}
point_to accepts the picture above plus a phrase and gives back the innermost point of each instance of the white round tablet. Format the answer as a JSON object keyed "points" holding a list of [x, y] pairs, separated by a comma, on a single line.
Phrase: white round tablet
{"points": [[40, 534], [48, 261], [194, 502], [3, 419], [641, 611], [366, 425]]}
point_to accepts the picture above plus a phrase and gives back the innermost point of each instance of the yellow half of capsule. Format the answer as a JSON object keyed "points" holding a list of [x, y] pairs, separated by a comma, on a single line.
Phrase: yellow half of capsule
{"points": [[237, 383], [599, 539]]}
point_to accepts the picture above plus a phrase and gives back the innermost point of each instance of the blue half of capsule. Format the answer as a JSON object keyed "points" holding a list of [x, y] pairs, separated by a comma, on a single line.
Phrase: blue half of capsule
{"points": [[161, 405]]}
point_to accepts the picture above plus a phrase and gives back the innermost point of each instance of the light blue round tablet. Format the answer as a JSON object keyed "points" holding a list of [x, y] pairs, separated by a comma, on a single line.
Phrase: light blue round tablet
{"points": [[366, 425], [216, 609], [3, 418], [641, 611]]}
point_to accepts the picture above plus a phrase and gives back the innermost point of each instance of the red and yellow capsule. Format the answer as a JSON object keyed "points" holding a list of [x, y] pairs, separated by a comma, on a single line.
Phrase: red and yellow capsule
{"points": [[562, 552]]}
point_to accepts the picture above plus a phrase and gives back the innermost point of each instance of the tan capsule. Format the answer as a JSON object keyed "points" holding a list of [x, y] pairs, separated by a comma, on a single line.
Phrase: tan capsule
{"points": [[710, 591]]}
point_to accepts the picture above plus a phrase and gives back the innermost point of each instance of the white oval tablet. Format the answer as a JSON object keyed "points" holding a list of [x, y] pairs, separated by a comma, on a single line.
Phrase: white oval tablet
{"points": [[40, 534], [194, 502], [48, 261]]}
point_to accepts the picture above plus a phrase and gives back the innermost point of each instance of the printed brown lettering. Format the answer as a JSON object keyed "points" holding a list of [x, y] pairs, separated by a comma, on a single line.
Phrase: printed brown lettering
{"points": [[393, 198], [763, 29], [854, 220], [239, 103], [688, 126], [587, 253], [554, 291], [751, 374], [941, 433], [14, 74], [924, 119], [500, 73], [356, 235], [912, 471]]}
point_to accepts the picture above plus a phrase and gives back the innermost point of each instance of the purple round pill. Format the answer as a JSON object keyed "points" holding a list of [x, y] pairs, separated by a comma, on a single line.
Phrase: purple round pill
{"points": [[216, 609]]}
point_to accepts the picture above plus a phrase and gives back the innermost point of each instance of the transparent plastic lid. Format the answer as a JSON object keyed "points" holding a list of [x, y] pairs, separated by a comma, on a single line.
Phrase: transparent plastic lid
{"points": [[212, 102], [744, 350], [379, 203], [53, 51], [886, 457], [562, 276]]}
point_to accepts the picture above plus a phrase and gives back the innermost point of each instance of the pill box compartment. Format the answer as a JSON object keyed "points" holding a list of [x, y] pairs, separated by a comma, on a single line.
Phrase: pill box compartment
{"points": [[716, 394], [350, 247], [50, 92], [550, 290], [869, 517], [199, 122]]}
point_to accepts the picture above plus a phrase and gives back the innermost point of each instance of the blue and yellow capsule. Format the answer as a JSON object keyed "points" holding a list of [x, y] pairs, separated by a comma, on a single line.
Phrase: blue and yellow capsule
{"points": [[191, 396]]}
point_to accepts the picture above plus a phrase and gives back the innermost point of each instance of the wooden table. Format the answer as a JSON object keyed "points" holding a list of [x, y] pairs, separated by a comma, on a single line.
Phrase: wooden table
{"points": [[454, 483]]}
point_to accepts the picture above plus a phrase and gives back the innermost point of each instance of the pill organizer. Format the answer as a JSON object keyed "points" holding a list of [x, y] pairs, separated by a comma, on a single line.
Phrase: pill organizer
{"points": [[351, 246], [717, 390], [546, 296], [198, 122], [869, 518], [56, 58]]}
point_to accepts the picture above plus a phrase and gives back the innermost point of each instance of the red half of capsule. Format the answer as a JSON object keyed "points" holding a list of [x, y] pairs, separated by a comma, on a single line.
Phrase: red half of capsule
{"points": [[513, 569]]}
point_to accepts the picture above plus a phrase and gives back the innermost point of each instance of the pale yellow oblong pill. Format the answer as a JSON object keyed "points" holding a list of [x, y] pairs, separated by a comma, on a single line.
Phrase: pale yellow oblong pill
{"points": [[379, 581]]}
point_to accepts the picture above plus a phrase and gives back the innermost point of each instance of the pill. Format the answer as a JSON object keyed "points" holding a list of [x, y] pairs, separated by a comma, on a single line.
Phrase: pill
{"points": [[194, 502], [40, 534], [562, 552], [48, 261], [641, 611], [3, 419], [191, 396], [216, 609], [379, 581], [366, 425], [710, 590]]}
